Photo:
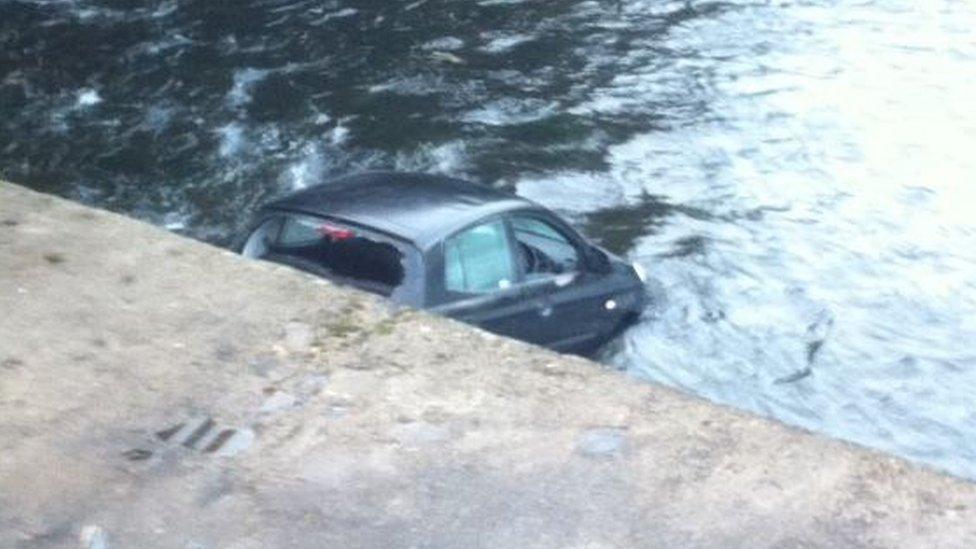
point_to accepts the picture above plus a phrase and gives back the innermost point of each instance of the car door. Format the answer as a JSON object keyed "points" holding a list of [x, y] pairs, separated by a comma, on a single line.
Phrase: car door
{"points": [[474, 278], [577, 302]]}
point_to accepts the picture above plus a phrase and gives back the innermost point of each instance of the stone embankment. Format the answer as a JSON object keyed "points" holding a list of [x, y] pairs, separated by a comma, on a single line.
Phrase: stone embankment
{"points": [[158, 392]]}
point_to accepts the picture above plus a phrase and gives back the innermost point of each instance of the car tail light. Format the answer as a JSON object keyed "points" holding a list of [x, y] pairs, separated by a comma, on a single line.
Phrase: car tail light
{"points": [[336, 234]]}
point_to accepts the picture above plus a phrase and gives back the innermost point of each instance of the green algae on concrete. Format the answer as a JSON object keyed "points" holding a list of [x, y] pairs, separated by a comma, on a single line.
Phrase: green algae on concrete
{"points": [[158, 392]]}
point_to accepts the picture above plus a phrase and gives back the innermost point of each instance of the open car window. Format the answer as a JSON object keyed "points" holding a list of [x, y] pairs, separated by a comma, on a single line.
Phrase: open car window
{"points": [[331, 250], [543, 250], [478, 260]]}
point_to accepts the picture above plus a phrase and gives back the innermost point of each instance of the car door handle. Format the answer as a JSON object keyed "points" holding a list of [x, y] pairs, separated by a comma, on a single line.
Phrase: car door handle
{"points": [[545, 311]]}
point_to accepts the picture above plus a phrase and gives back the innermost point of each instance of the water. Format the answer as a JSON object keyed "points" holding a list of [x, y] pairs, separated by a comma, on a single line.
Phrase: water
{"points": [[796, 176]]}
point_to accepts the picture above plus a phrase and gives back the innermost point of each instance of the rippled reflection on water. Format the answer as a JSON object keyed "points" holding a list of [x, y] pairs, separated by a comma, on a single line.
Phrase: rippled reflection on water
{"points": [[796, 177]]}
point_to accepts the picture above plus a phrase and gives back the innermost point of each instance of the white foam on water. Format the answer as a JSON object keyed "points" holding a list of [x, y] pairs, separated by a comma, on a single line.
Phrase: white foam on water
{"points": [[308, 170], [244, 81], [573, 192], [174, 41], [508, 111], [158, 117], [448, 158], [339, 134], [232, 140], [91, 14], [506, 43], [413, 85], [165, 9], [268, 137], [341, 14], [647, 164], [445, 43], [175, 221], [414, 5], [88, 98]]}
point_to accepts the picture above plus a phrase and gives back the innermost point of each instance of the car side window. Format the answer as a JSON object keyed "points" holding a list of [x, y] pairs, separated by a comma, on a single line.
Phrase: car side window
{"points": [[300, 231], [478, 260], [332, 250], [542, 249]]}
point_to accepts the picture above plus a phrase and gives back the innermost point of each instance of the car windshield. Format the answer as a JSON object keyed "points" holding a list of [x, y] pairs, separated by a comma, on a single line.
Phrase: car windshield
{"points": [[331, 250]]}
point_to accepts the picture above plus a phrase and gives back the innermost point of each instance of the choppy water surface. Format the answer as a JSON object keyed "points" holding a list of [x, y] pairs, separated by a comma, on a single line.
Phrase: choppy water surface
{"points": [[797, 176]]}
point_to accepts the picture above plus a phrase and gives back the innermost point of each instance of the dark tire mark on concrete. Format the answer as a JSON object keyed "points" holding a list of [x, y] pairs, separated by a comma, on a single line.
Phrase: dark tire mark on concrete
{"points": [[218, 442], [199, 433], [137, 454], [11, 363], [167, 434]]}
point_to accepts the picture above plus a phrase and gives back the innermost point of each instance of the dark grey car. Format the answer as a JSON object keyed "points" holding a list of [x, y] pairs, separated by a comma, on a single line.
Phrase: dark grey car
{"points": [[463, 250]]}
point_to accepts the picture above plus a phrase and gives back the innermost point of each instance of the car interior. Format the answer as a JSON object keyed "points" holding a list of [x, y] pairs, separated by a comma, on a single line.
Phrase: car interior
{"points": [[543, 251], [352, 259]]}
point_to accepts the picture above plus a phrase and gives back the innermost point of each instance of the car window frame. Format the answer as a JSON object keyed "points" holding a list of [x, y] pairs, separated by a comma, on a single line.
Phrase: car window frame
{"points": [[263, 219]]}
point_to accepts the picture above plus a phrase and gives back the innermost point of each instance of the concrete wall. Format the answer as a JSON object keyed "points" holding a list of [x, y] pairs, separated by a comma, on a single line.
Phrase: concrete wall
{"points": [[157, 392]]}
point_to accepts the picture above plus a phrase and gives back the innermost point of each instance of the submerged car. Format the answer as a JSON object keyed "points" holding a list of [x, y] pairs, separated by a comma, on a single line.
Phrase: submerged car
{"points": [[467, 251]]}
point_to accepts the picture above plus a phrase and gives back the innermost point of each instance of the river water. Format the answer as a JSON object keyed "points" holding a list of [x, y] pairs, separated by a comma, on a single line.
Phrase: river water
{"points": [[796, 176]]}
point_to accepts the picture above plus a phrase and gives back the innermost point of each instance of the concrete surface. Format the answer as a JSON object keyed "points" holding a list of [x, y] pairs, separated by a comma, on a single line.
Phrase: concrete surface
{"points": [[157, 392]]}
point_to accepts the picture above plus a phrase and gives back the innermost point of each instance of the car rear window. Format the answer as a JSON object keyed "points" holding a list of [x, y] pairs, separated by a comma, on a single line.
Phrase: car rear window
{"points": [[331, 250]]}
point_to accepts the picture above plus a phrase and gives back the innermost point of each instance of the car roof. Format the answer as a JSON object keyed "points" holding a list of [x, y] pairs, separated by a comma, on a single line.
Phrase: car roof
{"points": [[420, 208]]}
